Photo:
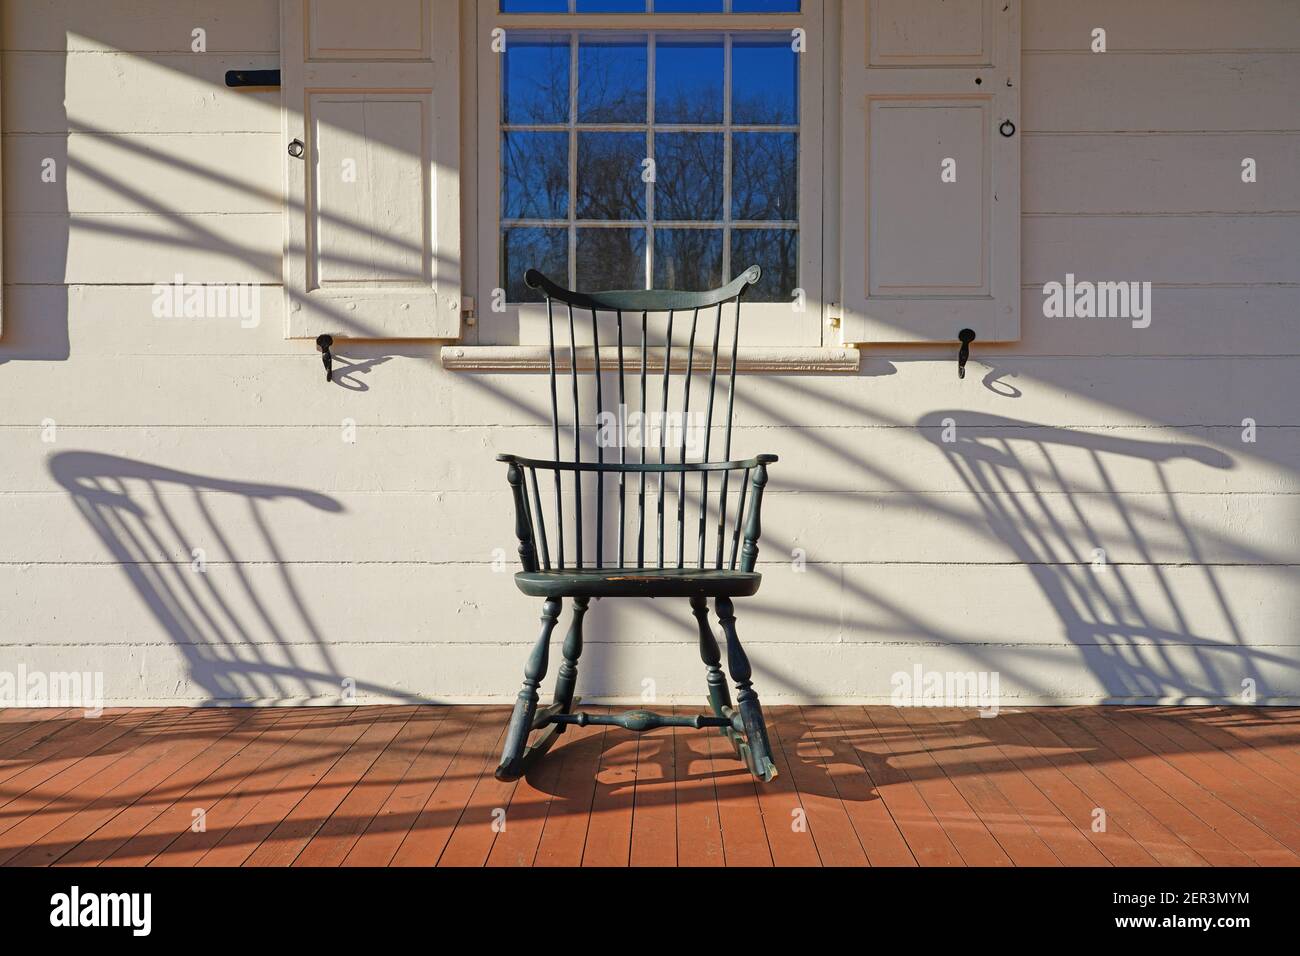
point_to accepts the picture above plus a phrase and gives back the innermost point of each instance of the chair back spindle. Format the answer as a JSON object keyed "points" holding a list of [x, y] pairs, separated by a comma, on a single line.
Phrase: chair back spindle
{"points": [[698, 318]]}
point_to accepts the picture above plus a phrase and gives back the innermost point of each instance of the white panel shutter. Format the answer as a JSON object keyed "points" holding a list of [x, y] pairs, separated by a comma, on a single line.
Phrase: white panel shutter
{"points": [[371, 90], [931, 86], [2, 238]]}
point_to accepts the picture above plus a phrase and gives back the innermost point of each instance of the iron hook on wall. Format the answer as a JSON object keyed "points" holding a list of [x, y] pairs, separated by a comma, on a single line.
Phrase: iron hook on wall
{"points": [[323, 345], [966, 337]]}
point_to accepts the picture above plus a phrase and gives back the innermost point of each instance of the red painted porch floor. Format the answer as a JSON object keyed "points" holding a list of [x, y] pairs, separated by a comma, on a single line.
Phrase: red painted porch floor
{"points": [[406, 785]]}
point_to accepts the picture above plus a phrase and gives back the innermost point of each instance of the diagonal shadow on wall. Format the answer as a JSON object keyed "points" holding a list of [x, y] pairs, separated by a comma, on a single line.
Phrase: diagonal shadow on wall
{"points": [[1121, 609], [202, 555]]}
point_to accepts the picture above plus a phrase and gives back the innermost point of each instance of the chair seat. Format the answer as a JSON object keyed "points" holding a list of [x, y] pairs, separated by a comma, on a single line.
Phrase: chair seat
{"points": [[638, 582]]}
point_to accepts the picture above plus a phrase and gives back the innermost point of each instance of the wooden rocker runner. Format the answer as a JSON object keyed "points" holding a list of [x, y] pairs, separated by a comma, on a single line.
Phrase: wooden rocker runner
{"points": [[721, 569]]}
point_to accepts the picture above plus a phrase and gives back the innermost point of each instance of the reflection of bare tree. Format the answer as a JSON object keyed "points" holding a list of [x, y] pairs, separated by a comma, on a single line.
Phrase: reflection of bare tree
{"points": [[609, 184], [612, 81], [535, 87], [765, 175], [533, 247], [688, 184], [534, 175], [777, 251], [611, 258], [688, 258]]}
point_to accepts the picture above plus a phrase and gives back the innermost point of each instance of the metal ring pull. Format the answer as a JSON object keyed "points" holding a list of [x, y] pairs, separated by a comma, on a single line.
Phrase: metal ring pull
{"points": [[1005, 131], [296, 148]]}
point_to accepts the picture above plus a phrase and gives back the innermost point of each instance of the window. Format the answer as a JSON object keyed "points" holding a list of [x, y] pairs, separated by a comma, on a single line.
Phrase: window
{"points": [[653, 144]]}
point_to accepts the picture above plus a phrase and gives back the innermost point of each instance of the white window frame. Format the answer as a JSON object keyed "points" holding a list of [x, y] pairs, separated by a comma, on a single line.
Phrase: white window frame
{"points": [[766, 325]]}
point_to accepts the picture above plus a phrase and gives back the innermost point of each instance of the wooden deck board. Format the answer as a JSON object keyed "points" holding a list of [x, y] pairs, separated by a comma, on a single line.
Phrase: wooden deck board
{"points": [[824, 814], [1118, 846], [654, 814], [278, 784], [414, 785], [1217, 799], [256, 775], [872, 818], [781, 805], [530, 804], [609, 829], [699, 830], [1066, 841], [1156, 786], [1085, 763], [158, 817], [564, 834], [292, 834], [442, 812], [97, 761], [89, 818], [963, 827], [937, 730]]}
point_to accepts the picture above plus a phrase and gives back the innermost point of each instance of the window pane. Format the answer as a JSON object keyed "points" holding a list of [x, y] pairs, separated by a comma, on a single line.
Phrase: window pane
{"points": [[534, 175], [524, 248], [611, 6], [688, 6], [765, 6], [535, 79], [765, 176], [688, 79], [609, 176], [612, 79], [689, 259], [534, 6], [611, 259], [776, 252], [688, 176], [764, 81]]}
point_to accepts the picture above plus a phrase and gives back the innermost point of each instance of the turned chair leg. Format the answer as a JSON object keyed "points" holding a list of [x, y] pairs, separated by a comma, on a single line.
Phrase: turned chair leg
{"points": [[719, 696], [521, 721], [568, 679], [751, 713]]}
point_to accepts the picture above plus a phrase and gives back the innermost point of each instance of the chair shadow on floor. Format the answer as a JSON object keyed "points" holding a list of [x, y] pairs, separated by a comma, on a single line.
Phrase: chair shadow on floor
{"points": [[847, 754]]}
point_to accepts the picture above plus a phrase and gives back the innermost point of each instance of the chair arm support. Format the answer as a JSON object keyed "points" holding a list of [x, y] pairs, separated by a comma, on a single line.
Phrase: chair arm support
{"points": [[523, 520], [753, 520]]}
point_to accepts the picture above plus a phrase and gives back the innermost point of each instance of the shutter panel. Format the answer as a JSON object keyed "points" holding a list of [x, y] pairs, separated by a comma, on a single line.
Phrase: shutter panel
{"points": [[2, 231], [926, 81], [373, 205]]}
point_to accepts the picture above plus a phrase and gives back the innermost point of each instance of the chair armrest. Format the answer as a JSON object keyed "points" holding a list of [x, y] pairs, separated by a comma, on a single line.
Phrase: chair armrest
{"points": [[540, 464]]}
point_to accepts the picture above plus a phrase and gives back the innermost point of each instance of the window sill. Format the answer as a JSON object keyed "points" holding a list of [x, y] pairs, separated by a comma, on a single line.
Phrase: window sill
{"points": [[536, 358]]}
